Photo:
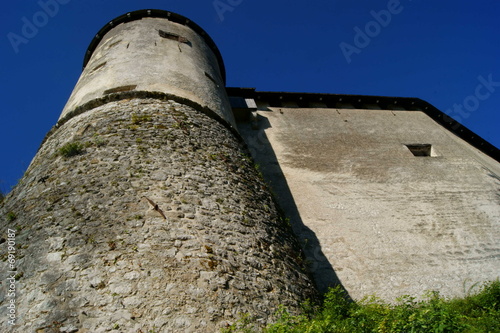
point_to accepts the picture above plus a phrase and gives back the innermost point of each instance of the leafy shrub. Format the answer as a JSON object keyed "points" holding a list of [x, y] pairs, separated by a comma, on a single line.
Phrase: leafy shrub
{"points": [[471, 314]]}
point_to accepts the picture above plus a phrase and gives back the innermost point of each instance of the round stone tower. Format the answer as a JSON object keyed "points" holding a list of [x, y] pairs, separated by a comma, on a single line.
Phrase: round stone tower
{"points": [[142, 211], [156, 51]]}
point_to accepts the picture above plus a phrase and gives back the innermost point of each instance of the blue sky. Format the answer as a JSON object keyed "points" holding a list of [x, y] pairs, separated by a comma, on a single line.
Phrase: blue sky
{"points": [[445, 52]]}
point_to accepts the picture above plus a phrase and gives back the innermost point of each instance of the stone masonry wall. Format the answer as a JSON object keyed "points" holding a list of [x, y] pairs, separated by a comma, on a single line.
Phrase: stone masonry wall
{"points": [[94, 256]]}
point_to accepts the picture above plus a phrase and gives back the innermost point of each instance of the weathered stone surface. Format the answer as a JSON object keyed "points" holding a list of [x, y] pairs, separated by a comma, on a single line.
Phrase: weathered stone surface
{"points": [[369, 213], [96, 257]]}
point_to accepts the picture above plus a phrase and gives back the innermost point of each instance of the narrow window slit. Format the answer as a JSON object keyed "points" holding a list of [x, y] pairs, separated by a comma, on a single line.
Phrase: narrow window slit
{"points": [[98, 66], [115, 43], [120, 89], [211, 79]]}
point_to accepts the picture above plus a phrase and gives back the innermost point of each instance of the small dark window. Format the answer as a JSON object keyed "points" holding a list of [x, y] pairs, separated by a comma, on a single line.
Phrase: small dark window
{"points": [[420, 149], [169, 35]]}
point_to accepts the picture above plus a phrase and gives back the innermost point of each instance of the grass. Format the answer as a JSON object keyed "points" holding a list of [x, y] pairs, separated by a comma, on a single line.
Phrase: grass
{"points": [[71, 149], [97, 141], [472, 314], [11, 216], [138, 119]]}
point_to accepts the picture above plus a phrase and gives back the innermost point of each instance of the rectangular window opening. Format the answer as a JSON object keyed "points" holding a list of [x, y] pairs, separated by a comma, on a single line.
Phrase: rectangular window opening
{"points": [[172, 36], [420, 149]]}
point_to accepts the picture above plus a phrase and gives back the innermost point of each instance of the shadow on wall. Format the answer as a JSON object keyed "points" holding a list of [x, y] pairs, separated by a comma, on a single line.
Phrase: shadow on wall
{"points": [[494, 176], [267, 162]]}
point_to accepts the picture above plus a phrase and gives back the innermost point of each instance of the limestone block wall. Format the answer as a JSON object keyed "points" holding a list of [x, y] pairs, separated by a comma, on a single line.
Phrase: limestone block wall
{"points": [[94, 256]]}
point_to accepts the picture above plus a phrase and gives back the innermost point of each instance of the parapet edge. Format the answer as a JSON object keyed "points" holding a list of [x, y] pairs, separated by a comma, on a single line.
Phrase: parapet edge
{"points": [[157, 13]]}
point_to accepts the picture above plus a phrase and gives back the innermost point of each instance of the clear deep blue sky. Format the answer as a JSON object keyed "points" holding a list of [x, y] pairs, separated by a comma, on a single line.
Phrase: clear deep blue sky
{"points": [[445, 52]]}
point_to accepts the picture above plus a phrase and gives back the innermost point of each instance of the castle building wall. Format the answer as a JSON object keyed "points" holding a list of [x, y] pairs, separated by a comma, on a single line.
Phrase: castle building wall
{"points": [[369, 213], [143, 211]]}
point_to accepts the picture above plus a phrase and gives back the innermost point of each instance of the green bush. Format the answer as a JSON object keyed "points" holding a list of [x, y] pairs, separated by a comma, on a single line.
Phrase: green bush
{"points": [[71, 149], [475, 313]]}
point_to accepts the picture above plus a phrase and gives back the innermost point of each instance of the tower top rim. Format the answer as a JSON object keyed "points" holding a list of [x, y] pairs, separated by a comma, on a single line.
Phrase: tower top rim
{"points": [[155, 13]]}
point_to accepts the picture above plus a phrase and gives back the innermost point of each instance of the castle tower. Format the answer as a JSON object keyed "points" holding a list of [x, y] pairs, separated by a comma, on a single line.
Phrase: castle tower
{"points": [[141, 210]]}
